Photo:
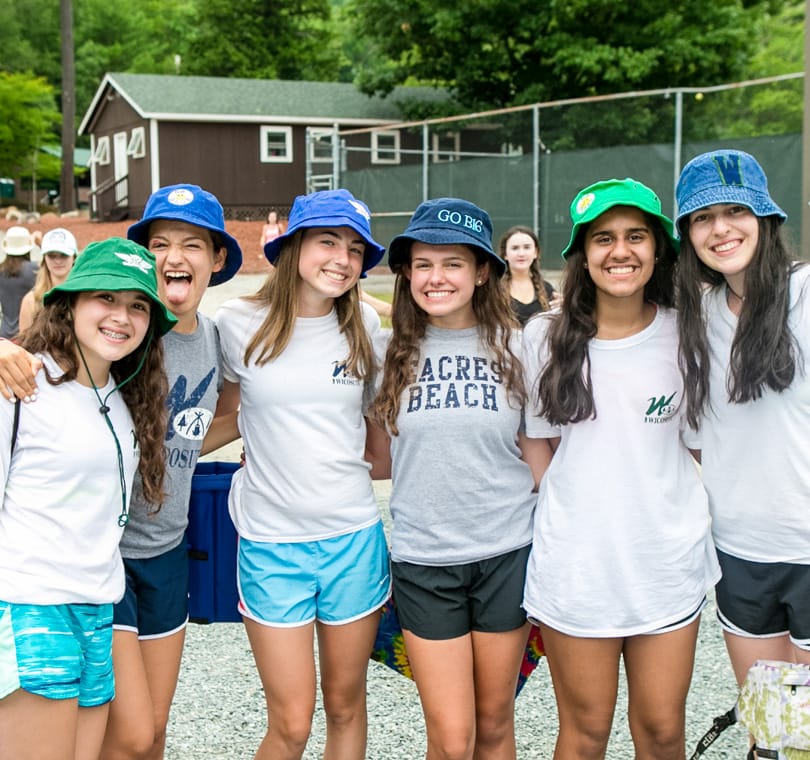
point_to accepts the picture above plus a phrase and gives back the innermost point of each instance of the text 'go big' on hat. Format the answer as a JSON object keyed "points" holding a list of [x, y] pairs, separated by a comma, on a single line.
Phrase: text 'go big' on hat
{"points": [[446, 221]]}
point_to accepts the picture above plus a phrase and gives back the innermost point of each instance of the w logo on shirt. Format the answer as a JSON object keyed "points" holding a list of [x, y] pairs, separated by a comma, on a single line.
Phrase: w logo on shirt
{"points": [[729, 169], [660, 409], [340, 374]]}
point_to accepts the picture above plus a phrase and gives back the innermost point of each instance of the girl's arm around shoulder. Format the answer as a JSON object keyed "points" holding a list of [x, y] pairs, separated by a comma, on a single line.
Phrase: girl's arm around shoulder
{"points": [[17, 372], [537, 453], [225, 425], [378, 451]]}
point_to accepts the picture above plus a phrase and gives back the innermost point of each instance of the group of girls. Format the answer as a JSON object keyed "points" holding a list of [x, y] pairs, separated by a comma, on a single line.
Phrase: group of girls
{"points": [[543, 474]]}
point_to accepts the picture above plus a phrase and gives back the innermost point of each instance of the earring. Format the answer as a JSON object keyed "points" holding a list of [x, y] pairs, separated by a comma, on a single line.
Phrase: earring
{"points": [[479, 282]]}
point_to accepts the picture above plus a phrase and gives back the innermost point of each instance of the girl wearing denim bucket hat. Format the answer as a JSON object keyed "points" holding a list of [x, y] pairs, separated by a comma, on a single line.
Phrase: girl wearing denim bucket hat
{"points": [[744, 320], [452, 398], [312, 554], [184, 227], [622, 556], [68, 464]]}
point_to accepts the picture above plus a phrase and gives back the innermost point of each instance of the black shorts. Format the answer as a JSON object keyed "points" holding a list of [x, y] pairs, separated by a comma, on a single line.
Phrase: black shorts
{"points": [[450, 601], [764, 599]]}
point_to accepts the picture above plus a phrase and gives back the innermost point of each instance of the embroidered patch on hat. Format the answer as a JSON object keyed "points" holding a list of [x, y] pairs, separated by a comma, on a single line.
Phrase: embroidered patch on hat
{"points": [[729, 167], [584, 202], [361, 209], [180, 197], [133, 260]]}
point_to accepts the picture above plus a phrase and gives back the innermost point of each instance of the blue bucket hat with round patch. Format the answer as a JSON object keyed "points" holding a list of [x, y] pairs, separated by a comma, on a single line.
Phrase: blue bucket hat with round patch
{"points": [[329, 208], [446, 221], [192, 205], [724, 176]]}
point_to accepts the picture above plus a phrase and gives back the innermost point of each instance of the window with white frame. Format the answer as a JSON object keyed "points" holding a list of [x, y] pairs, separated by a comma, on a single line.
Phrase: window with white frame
{"points": [[446, 146], [275, 145], [136, 148], [385, 147], [320, 144], [101, 155]]}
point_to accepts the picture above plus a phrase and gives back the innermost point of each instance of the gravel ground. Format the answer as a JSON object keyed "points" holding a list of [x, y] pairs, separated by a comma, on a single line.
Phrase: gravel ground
{"points": [[219, 709]]}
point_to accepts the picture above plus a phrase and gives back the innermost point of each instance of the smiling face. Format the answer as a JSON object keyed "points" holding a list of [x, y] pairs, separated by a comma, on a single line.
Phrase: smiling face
{"points": [[443, 279], [108, 325], [725, 238], [186, 259], [520, 252], [330, 261], [620, 252]]}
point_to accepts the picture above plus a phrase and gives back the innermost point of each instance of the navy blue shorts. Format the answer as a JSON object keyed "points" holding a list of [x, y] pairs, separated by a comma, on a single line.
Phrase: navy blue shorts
{"points": [[155, 602]]}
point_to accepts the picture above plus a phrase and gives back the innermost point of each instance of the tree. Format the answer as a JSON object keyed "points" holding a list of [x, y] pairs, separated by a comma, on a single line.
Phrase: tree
{"points": [[28, 117], [270, 39], [67, 187]]}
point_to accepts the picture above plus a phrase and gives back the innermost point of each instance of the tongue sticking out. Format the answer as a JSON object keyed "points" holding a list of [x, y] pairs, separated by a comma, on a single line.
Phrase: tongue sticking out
{"points": [[177, 289]]}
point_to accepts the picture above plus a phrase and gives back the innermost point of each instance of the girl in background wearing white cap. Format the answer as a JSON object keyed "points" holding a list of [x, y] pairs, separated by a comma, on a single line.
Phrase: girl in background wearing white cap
{"points": [[59, 251], [67, 464], [17, 274], [452, 399], [745, 328], [184, 227], [622, 556], [312, 553]]}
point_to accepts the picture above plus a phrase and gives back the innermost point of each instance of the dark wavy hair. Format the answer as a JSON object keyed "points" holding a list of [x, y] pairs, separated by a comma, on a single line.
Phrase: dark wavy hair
{"points": [[496, 323], [534, 270], [764, 352], [145, 394], [564, 389]]}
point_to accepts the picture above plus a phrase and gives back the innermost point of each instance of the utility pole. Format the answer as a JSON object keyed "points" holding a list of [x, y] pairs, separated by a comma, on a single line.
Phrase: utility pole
{"points": [[67, 191]]}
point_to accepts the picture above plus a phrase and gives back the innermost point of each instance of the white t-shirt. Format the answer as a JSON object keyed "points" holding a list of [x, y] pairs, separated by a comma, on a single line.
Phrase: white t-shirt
{"points": [[755, 455], [59, 529], [301, 419], [622, 542]]}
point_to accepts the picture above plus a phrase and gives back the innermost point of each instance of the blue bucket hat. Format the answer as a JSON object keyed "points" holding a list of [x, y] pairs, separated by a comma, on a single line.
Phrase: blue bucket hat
{"points": [[592, 201], [329, 208], [446, 221], [724, 176], [192, 205]]}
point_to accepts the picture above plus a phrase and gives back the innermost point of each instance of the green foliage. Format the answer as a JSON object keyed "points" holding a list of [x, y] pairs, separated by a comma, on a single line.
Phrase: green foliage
{"points": [[27, 118]]}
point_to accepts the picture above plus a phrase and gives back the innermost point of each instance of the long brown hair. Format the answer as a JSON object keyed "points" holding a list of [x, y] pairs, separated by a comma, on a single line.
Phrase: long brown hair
{"points": [[534, 270], [145, 394], [12, 266], [280, 292], [496, 324]]}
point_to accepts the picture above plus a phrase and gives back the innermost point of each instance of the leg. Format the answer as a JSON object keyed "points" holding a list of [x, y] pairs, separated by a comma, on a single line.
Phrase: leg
{"points": [[585, 674], [659, 671], [161, 659], [344, 651], [127, 737], [92, 723], [286, 664], [496, 658], [37, 728], [443, 671], [744, 650]]}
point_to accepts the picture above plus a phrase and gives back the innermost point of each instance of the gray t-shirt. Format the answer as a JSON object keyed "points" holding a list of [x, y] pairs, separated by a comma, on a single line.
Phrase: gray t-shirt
{"points": [[460, 492], [194, 369], [12, 290]]}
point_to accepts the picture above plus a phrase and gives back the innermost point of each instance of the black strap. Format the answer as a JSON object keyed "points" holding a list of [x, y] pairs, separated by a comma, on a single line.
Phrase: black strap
{"points": [[719, 724], [15, 425]]}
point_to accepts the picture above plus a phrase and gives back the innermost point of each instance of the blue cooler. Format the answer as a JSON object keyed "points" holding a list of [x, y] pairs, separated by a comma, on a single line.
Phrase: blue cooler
{"points": [[211, 539]]}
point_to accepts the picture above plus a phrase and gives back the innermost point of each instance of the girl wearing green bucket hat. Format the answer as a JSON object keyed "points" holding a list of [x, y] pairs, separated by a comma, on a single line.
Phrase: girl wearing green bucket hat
{"points": [[745, 325], [68, 464], [622, 556]]}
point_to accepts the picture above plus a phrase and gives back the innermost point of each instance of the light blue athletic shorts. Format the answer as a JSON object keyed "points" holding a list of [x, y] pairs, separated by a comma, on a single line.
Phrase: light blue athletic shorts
{"points": [[58, 651], [336, 580]]}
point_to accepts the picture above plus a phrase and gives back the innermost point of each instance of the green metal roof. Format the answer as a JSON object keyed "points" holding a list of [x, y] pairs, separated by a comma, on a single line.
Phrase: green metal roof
{"points": [[170, 96]]}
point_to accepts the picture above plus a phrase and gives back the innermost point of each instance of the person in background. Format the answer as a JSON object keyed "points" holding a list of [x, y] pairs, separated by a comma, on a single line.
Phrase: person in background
{"points": [[59, 251], [17, 275], [272, 228], [68, 464], [529, 293], [744, 311], [622, 556]]}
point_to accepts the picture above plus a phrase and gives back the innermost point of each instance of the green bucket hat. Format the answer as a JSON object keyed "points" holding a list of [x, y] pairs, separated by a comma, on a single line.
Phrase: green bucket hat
{"points": [[599, 197], [117, 264]]}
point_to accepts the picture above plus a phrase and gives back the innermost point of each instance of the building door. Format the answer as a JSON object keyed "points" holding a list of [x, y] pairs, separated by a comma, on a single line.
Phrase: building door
{"points": [[121, 167]]}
